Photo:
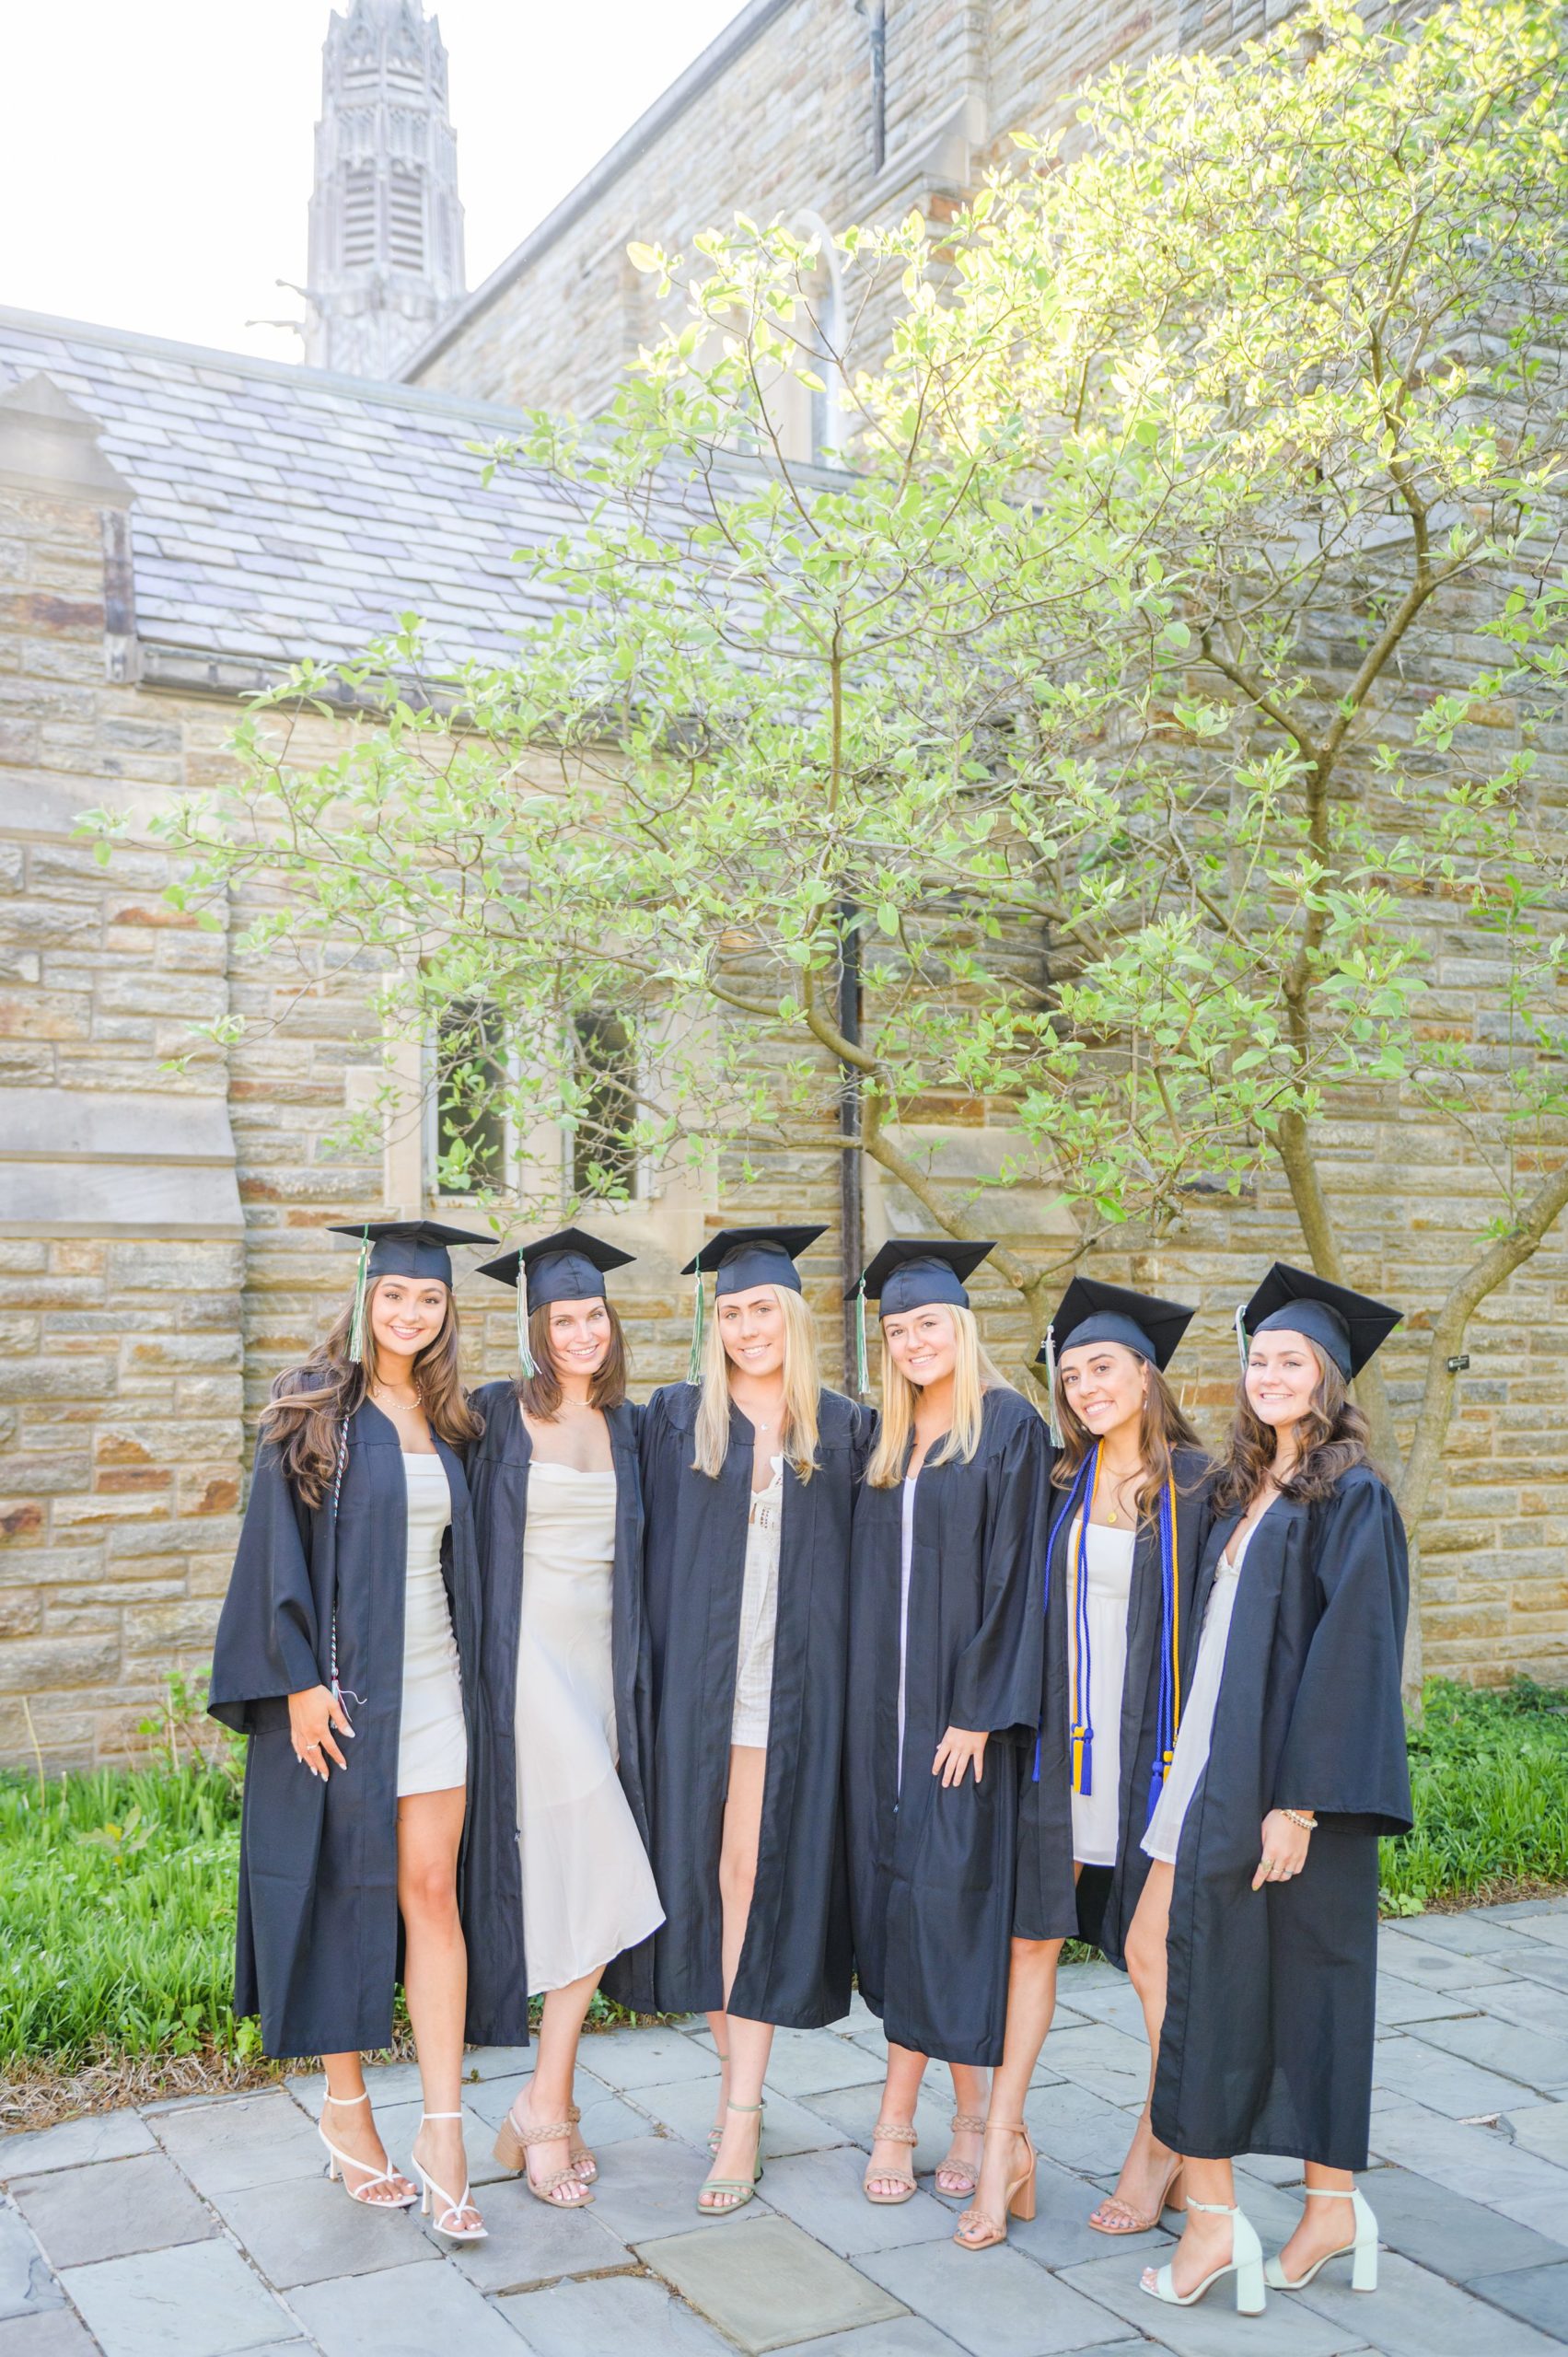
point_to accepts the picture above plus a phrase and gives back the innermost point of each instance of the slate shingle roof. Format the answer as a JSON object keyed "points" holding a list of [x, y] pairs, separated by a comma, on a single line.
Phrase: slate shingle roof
{"points": [[283, 512]]}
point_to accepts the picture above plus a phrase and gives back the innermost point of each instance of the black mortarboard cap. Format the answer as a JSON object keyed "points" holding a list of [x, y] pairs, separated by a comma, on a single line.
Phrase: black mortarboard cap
{"points": [[913, 1271], [744, 1256], [568, 1266], [1092, 1312], [1349, 1326], [399, 1247]]}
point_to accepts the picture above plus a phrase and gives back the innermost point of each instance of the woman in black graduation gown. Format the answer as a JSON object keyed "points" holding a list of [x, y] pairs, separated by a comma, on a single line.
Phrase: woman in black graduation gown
{"points": [[351, 1622], [1128, 1486], [1291, 1762], [946, 1652], [558, 1521], [748, 1472]]}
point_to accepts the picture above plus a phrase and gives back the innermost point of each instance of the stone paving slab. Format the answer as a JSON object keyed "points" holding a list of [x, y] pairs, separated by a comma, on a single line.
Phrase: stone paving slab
{"points": [[405, 2312], [764, 2284], [805, 2062], [101, 2136], [1400, 2002], [111, 2208], [1527, 2056], [652, 2189], [688, 2107], [900, 2337], [1417, 2314], [56, 2332], [1108, 2062], [244, 2141], [607, 2119], [624, 2317], [1081, 2130], [200, 2300], [1422, 2072], [854, 2111], [822, 2192], [26, 2284], [1538, 2294], [1213, 2328], [1441, 2230], [305, 2230], [1477, 2162], [529, 2242], [1060, 2235], [628, 2059], [993, 2303], [1542, 2129]]}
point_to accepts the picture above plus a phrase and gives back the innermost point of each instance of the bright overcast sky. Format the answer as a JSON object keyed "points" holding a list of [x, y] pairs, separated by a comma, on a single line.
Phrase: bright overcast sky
{"points": [[156, 160]]}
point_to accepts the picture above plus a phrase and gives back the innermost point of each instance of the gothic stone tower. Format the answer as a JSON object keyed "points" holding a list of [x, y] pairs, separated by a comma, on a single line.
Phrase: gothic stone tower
{"points": [[385, 226]]}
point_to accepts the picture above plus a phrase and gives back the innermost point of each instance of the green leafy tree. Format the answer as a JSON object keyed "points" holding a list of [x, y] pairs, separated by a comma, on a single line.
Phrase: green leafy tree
{"points": [[1177, 658]]}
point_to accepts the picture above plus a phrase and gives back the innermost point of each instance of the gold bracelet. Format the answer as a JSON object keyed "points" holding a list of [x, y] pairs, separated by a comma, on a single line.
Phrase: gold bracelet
{"points": [[1307, 1824]]}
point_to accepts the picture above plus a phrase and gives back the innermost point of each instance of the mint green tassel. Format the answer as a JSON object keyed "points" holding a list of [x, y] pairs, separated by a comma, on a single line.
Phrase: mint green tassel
{"points": [[862, 1370], [694, 1364], [524, 1353], [361, 1294], [1242, 1334], [1053, 1418]]}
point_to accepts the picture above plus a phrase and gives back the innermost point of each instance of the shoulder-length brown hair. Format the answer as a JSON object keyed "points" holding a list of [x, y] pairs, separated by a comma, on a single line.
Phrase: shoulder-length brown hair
{"points": [[1164, 1428], [540, 1395], [1331, 1438], [310, 1404]]}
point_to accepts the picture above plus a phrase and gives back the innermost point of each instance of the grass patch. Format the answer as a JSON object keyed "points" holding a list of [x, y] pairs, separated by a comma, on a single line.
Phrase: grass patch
{"points": [[117, 1894], [1489, 1770]]}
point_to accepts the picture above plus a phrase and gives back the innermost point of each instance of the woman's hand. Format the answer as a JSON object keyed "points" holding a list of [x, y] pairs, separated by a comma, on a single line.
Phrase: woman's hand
{"points": [[1284, 1849], [958, 1749], [312, 1715]]}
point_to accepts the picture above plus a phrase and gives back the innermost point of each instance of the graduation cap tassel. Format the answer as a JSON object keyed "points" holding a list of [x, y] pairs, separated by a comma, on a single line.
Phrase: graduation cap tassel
{"points": [[1051, 1417], [361, 1292], [1241, 1333], [523, 1353], [862, 1370], [694, 1364]]}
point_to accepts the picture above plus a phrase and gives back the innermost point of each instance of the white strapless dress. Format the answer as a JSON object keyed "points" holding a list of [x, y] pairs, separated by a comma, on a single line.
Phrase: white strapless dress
{"points": [[431, 1741], [588, 1890]]}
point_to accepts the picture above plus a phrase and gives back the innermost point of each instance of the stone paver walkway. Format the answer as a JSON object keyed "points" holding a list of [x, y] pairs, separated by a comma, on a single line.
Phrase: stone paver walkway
{"points": [[202, 2229]]}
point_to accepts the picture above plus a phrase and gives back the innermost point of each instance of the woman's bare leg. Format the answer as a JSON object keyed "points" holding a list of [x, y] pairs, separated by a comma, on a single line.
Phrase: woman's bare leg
{"points": [[900, 2093], [1147, 2164], [547, 2096], [972, 2093], [746, 2044], [436, 1974], [351, 2127], [1031, 2001], [1206, 2242], [1323, 2227]]}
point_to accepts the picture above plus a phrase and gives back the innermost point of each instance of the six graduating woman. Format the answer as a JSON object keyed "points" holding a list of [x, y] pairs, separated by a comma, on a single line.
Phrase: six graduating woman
{"points": [[730, 1700]]}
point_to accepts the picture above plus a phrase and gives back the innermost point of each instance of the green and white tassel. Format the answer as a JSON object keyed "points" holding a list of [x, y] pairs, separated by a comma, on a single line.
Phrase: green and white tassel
{"points": [[694, 1364], [361, 1294], [862, 1370], [1052, 1419], [523, 1353], [1242, 1334]]}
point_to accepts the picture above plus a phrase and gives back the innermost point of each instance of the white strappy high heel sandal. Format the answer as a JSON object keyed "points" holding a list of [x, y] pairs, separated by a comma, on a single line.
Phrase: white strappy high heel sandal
{"points": [[445, 2206], [341, 2161], [1246, 2263], [1362, 2249]]}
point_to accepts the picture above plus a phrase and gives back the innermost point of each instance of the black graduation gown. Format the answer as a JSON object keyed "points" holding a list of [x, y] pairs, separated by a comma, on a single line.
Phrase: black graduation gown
{"points": [[795, 1966], [1267, 2042], [1107, 1896], [498, 1478], [317, 1945], [932, 1867]]}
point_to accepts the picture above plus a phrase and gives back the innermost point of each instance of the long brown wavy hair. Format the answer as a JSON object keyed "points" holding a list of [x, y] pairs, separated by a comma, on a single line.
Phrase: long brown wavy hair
{"points": [[306, 1413], [1163, 1429], [540, 1395], [1331, 1438]]}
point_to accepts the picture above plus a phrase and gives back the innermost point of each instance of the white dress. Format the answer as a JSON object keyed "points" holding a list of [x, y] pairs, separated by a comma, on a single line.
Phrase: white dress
{"points": [[431, 1743], [1163, 1833], [588, 1889], [905, 1565], [759, 1613], [1097, 1815]]}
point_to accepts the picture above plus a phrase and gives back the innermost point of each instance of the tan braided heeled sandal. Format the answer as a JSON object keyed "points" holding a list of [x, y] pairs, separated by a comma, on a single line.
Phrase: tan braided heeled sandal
{"points": [[889, 2132], [979, 2232], [562, 2189], [584, 2160], [963, 2123]]}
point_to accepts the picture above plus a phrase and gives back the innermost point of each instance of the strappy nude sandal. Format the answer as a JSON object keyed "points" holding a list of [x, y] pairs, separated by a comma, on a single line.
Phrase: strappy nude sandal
{"points": [[963, 2124], [584, 2160], [889, 2132], [1129, 2222], [562, 2189], [975, 2230], [736, 2192]]}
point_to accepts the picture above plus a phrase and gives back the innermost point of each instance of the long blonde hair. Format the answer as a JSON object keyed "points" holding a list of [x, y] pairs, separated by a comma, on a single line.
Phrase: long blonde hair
{"points": [[802, 1387], [973, 1376]]}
